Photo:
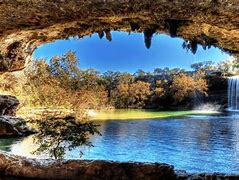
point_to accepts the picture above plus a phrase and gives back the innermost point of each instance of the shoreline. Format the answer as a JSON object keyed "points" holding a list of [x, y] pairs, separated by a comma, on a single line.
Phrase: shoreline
{"points": [[144, 114], [18, 167]]}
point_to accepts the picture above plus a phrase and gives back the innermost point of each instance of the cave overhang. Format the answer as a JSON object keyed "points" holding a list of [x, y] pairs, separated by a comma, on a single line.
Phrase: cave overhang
{"points": [[26, 24]]}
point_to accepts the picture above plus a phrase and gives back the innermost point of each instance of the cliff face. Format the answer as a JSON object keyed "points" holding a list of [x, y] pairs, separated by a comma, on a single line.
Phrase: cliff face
{"points": [[26, 24], [217, 91]]}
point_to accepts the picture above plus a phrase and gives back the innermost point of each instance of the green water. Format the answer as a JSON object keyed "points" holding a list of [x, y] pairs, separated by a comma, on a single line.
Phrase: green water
{"points": [[6, 143], [127, 114]]}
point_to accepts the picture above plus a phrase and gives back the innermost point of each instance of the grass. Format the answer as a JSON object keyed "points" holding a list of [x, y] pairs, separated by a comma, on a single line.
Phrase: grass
{"points": [[130, 114]]}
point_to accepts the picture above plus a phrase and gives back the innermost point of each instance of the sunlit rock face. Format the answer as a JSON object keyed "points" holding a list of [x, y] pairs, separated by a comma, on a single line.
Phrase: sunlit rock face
{"points": [[13, 166], [11, 126], [27, 24], [8, 105]]}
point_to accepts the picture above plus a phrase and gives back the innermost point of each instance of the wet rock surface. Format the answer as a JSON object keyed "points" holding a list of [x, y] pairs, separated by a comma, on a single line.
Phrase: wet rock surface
{"points": [[13, 126]]}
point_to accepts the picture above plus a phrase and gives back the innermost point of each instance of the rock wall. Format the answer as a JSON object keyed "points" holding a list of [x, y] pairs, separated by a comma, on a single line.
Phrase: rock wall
{"points": [[9, 124], [217, 91], [13, 126], [26, 24], [8, 105]]}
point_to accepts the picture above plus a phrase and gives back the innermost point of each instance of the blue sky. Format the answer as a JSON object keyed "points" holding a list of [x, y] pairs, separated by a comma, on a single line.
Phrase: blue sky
{"points": [[128, 52]]}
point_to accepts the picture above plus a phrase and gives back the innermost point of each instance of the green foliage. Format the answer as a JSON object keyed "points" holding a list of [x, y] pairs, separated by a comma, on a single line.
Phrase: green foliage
{"points": [[225, 68], [185, 86], [64, 69], [203, 66], [61, 83], [131, 94], [56, 136]]}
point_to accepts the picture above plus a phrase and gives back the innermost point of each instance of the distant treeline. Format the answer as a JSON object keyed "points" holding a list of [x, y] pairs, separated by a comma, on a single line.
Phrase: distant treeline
{"points": [[61, 83]]}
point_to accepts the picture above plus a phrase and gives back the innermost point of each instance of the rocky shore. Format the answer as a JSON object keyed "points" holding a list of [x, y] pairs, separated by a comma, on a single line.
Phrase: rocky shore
{"points": [[14, 167], [8, 105], [26, 24], [11, 126]]}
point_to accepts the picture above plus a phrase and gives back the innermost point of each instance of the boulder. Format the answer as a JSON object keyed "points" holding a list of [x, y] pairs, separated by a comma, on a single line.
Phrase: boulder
{"points": [[14, 166], [205, 176], [8, 105], [12, 126]]}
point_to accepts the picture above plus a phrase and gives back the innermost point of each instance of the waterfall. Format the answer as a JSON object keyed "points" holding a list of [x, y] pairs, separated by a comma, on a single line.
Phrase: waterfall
{"points": [[233, 93]]}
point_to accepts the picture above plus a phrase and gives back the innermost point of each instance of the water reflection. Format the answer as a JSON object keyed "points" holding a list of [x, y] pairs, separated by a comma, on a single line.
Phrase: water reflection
{"points": [[6, 143], [194, 143]]}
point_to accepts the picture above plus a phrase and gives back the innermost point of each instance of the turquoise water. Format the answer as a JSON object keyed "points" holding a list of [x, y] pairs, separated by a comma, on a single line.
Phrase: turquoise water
{"points": [[195, 143]]}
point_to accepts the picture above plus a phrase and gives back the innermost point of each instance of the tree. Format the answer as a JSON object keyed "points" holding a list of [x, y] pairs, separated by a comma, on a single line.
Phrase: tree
{"points": [[121, 95], [125, 78], [139, 92], [203, 66], [159, 90], [227, 67], [65, 69], [140, 75], [184, 86], [111, 80], [62, 84], [56, 136], [132, 94], [89, 79]]}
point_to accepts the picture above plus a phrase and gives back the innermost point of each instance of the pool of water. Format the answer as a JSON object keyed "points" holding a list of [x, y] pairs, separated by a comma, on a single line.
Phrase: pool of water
{"points": [[195, 143], [129, 114]]}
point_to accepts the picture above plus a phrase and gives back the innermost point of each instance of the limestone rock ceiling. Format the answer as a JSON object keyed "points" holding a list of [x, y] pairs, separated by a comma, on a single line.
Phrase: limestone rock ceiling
{"points": [[26, 24]]}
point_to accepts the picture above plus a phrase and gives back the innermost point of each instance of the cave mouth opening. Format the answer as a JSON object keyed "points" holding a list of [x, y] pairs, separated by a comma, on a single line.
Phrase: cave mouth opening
{"points": [[206, 23], [93, 70], [130, 51]]}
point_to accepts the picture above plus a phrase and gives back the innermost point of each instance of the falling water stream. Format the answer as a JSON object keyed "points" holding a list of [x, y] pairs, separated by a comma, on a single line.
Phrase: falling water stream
{"points": [[233, 93]]}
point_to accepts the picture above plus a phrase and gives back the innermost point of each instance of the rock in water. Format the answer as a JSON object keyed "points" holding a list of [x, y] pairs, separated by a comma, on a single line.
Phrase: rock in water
{"points": [[12, 126], [8, 105]]}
